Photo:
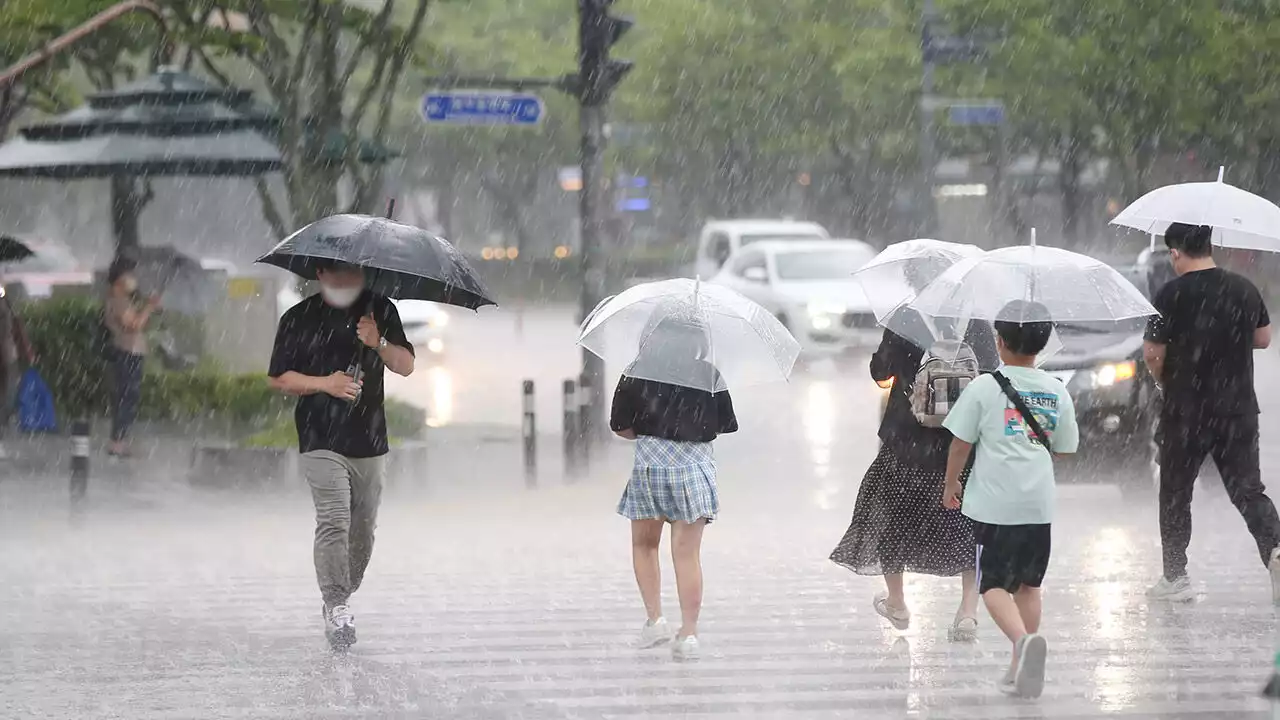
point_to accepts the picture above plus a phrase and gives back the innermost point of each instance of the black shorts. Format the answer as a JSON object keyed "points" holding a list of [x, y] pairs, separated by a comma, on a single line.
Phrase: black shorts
{"points": [[1011, 556]]}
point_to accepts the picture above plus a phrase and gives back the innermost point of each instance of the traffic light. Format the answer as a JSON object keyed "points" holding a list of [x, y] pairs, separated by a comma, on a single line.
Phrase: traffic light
{"points": [[598, 75]]}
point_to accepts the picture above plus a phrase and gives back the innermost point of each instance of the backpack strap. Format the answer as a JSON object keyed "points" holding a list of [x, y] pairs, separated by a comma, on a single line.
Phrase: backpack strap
{"points": [[1027, 416]]}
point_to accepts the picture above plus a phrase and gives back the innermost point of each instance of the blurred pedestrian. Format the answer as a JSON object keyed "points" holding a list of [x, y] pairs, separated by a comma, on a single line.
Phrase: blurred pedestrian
{"points": [[1019, 417], [898, 525], [126, 319], [1200, 350], [331, 350], [673, 482], [14, 349]]}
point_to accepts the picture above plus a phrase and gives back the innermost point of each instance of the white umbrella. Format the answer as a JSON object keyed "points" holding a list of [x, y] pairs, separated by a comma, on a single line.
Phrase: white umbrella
{"points": [[685, 333], [1071, 286], [1239, 218], [888, 278]]}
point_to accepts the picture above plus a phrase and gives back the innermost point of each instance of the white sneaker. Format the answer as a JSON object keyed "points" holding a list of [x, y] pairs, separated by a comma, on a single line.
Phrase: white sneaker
{"points": [[1274, 567], [655, 633], [1033, 651], [685, 648], [900, 618], [1179, 590], [339, 626]]}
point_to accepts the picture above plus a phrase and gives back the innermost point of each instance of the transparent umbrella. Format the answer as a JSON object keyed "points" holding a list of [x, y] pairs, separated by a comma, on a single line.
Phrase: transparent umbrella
{"points": [[1070, 286], [686, 333], [892, 278], [1239, 218]]}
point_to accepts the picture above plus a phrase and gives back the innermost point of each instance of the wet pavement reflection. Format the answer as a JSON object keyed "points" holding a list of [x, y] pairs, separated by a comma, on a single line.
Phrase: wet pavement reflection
{"points": [[485, 599]]}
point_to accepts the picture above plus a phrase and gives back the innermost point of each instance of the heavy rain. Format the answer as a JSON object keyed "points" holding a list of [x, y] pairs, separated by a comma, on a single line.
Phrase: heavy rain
{"points": [[687, 358]]}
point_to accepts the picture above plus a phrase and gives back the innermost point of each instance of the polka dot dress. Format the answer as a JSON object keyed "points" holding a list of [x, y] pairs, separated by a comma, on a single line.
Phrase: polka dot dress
{"points": [[899, 524]]}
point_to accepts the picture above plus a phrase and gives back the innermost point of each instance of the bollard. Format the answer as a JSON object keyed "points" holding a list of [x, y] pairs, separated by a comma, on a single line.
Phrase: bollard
{"points": [[529, 431], [79, 460], [585, 438], [570, 424]]}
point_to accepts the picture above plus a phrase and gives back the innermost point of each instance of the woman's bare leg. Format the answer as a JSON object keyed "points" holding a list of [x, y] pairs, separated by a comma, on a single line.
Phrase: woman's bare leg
{"points": [[686, 552], [646, 537], [897, 599], [968, 594]]}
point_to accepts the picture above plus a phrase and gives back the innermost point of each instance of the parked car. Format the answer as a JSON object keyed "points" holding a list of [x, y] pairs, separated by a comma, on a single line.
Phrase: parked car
{"points": [[808, 285], [722, 239], [52, 264]]}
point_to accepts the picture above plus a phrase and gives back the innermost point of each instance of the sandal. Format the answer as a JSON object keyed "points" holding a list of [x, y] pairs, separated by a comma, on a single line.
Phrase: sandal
{"points": [[963, 629], [900, 618]]}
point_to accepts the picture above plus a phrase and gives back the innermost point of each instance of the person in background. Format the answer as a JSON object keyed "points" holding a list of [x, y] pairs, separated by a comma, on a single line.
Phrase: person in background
{"points": [[1019, 417], [126, 319], [673, 482], [897, 524], [332, 351], [1200, 350], [14, 349]]}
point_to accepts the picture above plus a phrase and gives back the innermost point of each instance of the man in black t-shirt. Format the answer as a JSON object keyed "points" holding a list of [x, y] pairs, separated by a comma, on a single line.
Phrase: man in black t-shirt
{"points": [[330, 351], [1200, 349]]}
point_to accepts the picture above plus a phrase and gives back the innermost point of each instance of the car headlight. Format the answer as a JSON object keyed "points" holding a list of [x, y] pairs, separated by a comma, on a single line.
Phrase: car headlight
{"points": [[439, 319], [823, 315], [1112, 373]]}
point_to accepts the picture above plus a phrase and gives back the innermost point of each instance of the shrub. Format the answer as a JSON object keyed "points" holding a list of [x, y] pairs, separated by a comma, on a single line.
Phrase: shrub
{"points": [[64, 332]]}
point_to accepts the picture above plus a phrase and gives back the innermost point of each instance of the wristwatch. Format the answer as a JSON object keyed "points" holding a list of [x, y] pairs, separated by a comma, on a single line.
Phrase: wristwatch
{"points": [[382, 343]]}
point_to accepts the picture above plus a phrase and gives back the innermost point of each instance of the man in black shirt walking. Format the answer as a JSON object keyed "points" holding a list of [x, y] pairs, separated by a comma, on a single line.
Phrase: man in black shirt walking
{"points": [[1200, 349], [330, 351]]}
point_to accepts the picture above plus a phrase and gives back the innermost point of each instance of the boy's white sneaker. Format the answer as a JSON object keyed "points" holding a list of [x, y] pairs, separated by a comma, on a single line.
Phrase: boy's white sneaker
{"points": [[1179, 590], [655, 633], [1274, 567], [685, 648], [1033, 651]]}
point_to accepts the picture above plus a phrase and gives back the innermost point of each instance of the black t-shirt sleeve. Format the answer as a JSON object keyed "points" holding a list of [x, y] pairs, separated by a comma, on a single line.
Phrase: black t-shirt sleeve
{"points": [[286, 353], [625, 408], [391, 328], [889, 356], [1264, 318], [1159, 326], [724, 413]]}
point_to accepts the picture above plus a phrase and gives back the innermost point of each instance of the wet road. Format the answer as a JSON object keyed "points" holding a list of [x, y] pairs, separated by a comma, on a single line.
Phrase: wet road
{"points": [[489, 600]]}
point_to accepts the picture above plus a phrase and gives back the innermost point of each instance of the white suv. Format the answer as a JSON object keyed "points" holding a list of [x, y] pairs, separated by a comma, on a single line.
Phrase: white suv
{"points": [[722, 239]]}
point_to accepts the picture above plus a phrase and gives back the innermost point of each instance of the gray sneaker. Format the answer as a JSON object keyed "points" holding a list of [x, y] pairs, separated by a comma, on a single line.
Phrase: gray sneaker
{"points": [[339, 626], [1033, 651], [1179, 590]]}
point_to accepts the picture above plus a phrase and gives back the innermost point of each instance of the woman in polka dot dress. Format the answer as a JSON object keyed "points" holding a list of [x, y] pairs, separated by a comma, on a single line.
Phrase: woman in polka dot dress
{"points": [[899, 524]]}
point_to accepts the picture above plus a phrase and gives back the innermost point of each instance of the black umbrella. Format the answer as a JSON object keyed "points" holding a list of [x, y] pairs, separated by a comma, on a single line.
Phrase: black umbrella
{"points": [[13, 250], [407, 263]]}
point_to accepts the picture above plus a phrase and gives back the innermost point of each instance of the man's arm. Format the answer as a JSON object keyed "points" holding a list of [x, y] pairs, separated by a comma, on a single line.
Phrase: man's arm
{"points": [[397, 355], [1262, 338], [1153, 355], [957, 458]]}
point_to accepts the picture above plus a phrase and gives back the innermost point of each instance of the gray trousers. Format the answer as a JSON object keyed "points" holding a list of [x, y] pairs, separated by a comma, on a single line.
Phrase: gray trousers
{"points": [[346, 492]]}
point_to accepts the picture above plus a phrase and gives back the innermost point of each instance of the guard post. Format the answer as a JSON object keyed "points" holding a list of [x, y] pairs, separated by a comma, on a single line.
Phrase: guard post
{"points": [[529, 432], [585, 403], [571, 426], [79, 460]]}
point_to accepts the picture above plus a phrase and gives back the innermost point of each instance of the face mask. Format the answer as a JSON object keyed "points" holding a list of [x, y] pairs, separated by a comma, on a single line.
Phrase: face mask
{"points": [[340, 297], [131, 285]]}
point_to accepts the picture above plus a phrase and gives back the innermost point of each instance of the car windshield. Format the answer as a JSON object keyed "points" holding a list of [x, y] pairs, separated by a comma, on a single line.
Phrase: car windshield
{"points": [[749, 239], [820, 264]]}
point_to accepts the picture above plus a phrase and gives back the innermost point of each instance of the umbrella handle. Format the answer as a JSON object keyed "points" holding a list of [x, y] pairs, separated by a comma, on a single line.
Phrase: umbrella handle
{"points": [[391, 208]]}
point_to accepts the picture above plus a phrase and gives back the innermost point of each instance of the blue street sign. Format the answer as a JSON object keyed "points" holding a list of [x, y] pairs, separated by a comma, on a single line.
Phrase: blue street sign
{"points": [[973, 114], [639, 204], [482, 108]]}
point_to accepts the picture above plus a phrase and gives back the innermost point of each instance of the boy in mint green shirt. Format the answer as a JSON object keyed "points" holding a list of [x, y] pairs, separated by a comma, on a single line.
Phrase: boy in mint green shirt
{"points": [[1010, 493]]}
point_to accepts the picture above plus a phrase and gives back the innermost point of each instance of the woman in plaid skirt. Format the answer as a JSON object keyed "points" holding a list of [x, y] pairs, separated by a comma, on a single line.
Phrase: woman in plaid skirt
{"points": [[672, 482]]}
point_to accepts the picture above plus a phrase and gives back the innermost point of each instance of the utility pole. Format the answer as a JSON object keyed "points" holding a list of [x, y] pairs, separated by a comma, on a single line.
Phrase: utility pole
{"points": [[598, 75]]}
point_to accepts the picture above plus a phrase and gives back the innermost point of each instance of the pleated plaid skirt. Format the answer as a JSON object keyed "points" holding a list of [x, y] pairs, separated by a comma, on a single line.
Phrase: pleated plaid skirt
{"points": [[673, 481]]}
